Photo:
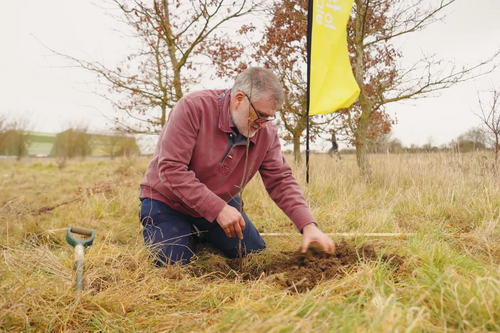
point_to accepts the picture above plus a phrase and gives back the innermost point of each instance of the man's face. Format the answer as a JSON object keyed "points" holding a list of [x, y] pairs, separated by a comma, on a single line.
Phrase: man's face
{"points": [[245, 117]]}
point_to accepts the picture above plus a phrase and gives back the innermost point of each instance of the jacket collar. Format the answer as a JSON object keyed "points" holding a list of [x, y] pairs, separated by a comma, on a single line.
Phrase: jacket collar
{"points": [[224, 102]]}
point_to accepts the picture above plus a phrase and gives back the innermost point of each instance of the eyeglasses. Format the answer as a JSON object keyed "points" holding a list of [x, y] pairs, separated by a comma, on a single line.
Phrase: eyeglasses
{"points": [[259, 119]]}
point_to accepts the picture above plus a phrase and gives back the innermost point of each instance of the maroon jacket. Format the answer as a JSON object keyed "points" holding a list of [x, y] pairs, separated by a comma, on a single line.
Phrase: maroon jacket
{"points": [[196, 168]]}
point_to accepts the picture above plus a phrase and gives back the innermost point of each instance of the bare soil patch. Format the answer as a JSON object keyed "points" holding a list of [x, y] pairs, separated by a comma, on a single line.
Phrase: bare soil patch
{"points": [[296, 271]]}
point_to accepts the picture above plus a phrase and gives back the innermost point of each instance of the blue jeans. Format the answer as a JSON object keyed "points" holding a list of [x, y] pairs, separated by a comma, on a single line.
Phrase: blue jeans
{"points": [[171, 235]]}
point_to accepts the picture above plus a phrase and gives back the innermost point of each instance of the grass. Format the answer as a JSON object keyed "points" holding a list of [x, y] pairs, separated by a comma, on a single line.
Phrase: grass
{"points": [[448, 284]]}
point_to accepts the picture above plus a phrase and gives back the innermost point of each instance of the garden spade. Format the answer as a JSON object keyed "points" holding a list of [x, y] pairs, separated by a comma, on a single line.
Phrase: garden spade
{"points": [[79, 245]]}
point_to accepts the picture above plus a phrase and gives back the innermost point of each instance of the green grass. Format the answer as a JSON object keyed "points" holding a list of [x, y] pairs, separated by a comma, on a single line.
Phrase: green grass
{"points": [[449, 283]]}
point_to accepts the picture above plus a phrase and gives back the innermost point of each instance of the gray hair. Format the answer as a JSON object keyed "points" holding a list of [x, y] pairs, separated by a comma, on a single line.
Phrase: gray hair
{"points": [[259, 83]]}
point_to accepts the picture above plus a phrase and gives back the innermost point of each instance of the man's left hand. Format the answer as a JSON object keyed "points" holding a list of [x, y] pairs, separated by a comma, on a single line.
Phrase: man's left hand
{"points": [[312, 234]]}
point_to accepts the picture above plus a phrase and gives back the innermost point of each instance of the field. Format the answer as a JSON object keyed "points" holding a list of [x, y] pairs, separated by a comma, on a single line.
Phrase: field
{"points": [[448, 281]]}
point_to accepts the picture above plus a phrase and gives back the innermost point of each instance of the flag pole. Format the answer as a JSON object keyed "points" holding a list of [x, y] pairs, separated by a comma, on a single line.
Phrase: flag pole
{"points": [[309, 42]]}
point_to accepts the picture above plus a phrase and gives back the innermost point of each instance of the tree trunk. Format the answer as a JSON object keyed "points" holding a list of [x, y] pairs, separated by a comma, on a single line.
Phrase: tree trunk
{"points": [[296, 149], [361, 132], [20, 146], [362, 147], [176, 65], [497, 148], [163, 114]]}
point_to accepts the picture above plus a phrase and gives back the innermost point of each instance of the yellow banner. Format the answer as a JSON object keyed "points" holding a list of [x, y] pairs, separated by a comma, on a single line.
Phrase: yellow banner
{"points": [[332, 84]]}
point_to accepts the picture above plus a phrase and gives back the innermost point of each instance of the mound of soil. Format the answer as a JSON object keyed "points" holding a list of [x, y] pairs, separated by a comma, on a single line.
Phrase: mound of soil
{"points": [[306, 270], [296, 271]]}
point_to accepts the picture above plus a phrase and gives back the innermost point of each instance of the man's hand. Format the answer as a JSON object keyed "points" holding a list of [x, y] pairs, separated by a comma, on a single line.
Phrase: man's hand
{"points": [[312, 234], [231, 222]]}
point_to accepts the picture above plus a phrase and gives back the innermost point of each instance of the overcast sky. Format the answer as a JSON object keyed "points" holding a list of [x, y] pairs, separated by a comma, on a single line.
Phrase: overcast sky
{"points": [[38, 84]]}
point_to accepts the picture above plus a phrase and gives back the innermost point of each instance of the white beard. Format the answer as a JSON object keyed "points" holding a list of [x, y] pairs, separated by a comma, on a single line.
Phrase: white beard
{"points": [[240, 120]]}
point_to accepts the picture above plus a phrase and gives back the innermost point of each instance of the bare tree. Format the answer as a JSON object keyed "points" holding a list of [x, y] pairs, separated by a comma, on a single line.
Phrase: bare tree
{"points": [[119, 144], [4, 127], [472, 140], [112, 144], [476, 135], [128, 147], [73, 142], [18, 137], [380, 144], [429, 145], [177, 38], [490, 117]]}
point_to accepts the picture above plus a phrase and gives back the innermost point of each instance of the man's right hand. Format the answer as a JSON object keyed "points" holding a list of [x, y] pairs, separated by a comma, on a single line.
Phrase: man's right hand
{"points": [[231, 221]]}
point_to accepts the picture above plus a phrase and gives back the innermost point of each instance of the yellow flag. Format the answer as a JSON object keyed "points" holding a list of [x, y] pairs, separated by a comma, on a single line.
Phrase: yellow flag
{"points": [[331, 83]]}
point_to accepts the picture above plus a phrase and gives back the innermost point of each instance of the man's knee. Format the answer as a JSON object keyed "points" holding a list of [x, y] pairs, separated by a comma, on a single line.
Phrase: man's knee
{"points": [[168, 248], [171, 254]]}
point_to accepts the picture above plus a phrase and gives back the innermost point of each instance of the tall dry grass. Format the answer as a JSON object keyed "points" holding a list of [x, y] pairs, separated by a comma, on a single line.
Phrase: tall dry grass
{"points": [[450, 282]]}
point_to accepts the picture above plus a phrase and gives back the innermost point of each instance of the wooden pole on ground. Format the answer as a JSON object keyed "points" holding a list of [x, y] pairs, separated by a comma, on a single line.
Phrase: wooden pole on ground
{"points": [[345, 234], [359, 234]]}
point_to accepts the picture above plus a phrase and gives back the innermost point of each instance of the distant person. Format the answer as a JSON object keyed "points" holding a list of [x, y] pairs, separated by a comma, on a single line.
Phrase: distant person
{"points": [[193, 182], [335, 147]]}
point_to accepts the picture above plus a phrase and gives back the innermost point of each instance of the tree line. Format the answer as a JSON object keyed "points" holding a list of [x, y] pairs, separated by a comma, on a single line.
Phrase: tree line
{"points": [[473, 140], [17, 136], [184, 43], [14, 136]]}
